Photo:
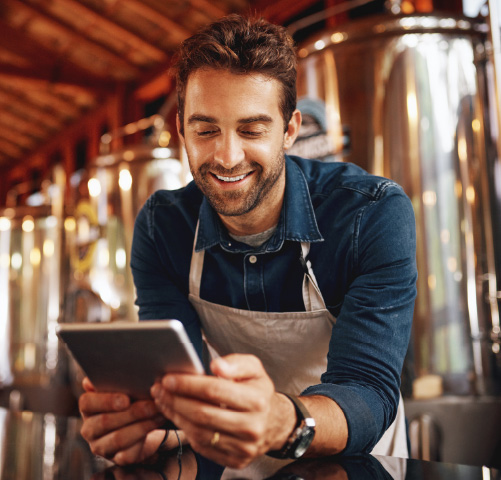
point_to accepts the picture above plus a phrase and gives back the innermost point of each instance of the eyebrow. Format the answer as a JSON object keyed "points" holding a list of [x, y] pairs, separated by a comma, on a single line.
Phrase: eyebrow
{"points": [[244, 121]]}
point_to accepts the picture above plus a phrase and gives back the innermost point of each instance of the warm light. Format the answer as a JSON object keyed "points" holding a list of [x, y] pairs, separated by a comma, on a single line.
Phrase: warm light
{"points": [[475, 124], [48, 247], [35, 257], [302, 53], [458, 188], [319, 45], [412, 107], [28, 224], [70, 224], [129, 155], [16, 260], [4, 224], [470, 194], [407, 7], [103, 258], [429, 198], [161, 153], [94, 187], [120, 258], [337, 37], [462, 149], [164, 139], [432, 282], [125, 180]]}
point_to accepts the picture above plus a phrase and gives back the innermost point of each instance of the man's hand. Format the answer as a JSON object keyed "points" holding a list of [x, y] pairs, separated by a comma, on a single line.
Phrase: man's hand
{"points": [[232, 417], [117, 429]]}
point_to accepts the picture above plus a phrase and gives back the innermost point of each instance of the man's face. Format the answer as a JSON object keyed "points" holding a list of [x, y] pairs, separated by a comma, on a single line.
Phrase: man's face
{"points": [[234, 138]]}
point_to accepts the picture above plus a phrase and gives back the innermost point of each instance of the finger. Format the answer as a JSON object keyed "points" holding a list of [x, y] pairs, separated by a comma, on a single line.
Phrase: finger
{"points": [[91, 403], [110, 444], [241, 396], [187, 412], [238, 367], [87, 385], [140, 450], [98, 425], [223, 448]]}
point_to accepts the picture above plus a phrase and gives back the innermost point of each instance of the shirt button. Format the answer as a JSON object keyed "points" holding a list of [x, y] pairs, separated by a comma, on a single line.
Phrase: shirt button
{"points": [[253, 259]]}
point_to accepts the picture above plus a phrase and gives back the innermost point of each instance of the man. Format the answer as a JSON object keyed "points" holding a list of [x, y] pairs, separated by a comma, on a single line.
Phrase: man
{"points": [[299, 274]]}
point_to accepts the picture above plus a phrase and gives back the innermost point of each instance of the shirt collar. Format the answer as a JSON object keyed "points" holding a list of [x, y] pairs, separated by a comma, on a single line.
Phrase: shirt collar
{"points": [[297, 220]]}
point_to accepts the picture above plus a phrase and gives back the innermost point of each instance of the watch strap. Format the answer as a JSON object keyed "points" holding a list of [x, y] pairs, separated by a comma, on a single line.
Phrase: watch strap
{"points": [[304, 420]]}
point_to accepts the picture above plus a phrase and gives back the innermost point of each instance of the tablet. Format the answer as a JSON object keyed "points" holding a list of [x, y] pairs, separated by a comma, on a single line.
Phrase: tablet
{"points": [[128, 357]]}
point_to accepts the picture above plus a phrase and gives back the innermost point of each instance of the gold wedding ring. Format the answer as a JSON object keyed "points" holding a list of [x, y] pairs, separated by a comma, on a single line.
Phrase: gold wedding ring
{"points": [[214, 439]]}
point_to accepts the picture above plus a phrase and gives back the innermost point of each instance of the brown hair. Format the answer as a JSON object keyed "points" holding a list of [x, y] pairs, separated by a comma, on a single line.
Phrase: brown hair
{"points": [[241, 45]]}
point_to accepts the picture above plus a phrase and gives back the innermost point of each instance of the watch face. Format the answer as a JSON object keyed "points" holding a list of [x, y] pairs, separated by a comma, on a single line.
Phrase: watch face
{"points": [[303, 442]]}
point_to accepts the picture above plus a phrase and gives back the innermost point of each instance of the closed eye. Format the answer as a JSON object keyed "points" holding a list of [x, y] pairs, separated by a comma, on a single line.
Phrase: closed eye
{"points": [[206, 133], [251, 134]]}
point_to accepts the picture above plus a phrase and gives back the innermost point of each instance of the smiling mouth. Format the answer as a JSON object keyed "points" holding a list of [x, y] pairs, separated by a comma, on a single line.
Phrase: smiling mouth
{"points": [[231, 179]]}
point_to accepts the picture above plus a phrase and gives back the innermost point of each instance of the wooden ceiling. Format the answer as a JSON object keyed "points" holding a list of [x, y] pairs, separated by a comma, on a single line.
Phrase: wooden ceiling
{"points": [[59, 58]]}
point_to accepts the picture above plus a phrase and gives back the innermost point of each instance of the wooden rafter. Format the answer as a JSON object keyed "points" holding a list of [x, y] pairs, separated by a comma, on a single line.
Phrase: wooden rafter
{"points": [[31, 114], [46, 76], [9, 120], [46, 65], [15, 138], [114, 29], [209, 8], [76, 38], [280, 11], [141, 8], [10, 149], [51, 118]]}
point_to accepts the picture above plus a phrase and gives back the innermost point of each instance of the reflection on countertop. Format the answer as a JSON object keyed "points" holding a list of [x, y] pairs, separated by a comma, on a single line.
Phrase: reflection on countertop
{"points": [[36, 446]]}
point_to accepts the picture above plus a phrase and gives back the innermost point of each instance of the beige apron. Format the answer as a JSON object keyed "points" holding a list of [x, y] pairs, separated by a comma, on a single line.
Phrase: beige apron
{"points": [[292, 346]]}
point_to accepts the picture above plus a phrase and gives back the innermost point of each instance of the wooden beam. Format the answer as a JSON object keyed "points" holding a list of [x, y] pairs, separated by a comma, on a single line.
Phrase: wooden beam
{"points": [[44, 98], [178, 32], [209, 8], [16, 104], [10, 150], [115, 29], [75, 38], [20, 44], [32, 115], [45, 64], [280, 11], [23, 141], [47, 77], [23, 125]]}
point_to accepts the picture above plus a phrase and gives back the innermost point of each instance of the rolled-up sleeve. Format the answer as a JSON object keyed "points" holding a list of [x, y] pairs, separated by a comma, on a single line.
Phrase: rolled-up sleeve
{"points": [[372, 331]]}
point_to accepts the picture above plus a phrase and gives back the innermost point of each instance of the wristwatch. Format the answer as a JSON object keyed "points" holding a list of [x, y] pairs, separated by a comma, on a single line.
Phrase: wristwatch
{"points": [[302, 435]]}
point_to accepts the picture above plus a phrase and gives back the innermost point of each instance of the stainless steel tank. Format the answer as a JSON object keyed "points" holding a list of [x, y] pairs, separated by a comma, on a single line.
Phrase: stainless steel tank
{"points": [[107, 196], [406, 97], [32, 362]]}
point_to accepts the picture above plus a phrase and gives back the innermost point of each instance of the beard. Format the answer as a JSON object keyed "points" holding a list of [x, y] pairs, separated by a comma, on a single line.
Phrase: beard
{"points": [[241, 201]]}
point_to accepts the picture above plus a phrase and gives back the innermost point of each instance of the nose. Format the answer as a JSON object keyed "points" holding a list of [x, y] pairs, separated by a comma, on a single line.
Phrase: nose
{"points": [[228, 151]]}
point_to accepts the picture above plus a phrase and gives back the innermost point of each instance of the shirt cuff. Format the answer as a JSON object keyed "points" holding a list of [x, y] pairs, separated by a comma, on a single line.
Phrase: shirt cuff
{"points": [[362, 429]]}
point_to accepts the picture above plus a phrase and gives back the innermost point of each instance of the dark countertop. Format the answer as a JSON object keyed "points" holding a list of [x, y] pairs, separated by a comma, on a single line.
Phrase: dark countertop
{"points": [[47, 447]]}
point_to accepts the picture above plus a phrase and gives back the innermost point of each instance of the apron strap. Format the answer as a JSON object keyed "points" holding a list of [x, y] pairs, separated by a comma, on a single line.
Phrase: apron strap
{"points": [[312, 297], [197, 264]]}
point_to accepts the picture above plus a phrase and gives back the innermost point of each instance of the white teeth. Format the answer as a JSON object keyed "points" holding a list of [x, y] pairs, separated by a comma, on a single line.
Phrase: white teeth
{"points": [[231, 179]]}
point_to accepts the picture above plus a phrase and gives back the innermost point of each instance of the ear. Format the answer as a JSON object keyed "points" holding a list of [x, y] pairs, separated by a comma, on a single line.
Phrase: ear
{"points": [[292, 129], [178, 126]]}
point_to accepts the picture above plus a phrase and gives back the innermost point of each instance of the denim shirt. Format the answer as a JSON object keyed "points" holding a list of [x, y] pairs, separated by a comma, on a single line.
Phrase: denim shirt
{"points": [[361, 231]]}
